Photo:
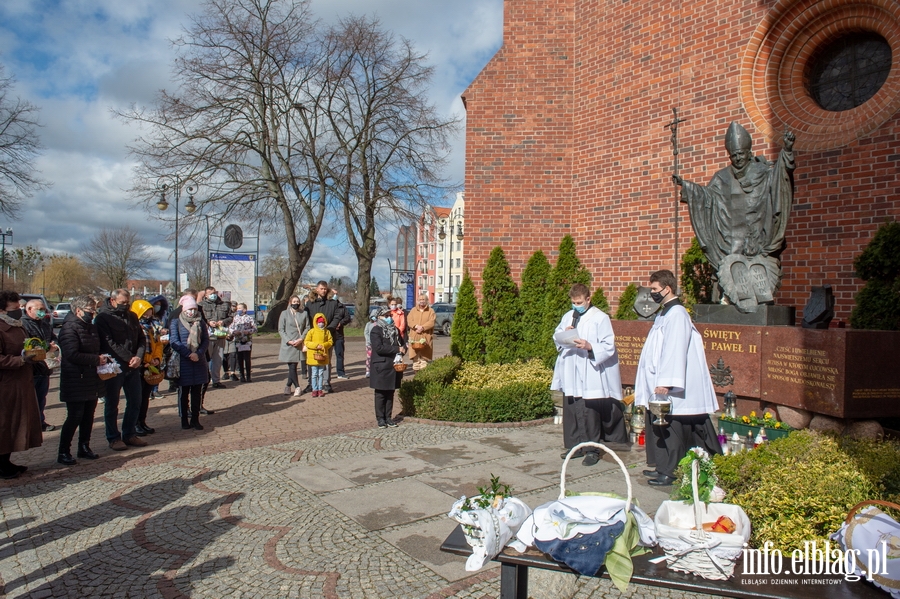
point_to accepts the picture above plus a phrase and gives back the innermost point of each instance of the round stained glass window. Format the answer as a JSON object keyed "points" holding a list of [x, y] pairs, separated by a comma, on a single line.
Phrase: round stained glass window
{"points": [[848, 71]]}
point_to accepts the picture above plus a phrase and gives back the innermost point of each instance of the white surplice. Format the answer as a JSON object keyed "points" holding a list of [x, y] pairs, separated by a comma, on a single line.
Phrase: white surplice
{"points": [[673, 356], [575, 373]]}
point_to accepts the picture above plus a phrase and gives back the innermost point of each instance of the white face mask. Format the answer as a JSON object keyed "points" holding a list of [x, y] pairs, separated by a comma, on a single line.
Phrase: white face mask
{"points": [[321, 325], [191, 313], [393, 307]]}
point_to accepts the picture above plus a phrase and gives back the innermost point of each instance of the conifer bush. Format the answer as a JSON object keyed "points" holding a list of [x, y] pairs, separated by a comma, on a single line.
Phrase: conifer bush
{"points": [[500, 311], [696, 276], [467, 338], [598, 299], [533, 299], [878, 302], [626, 304]]}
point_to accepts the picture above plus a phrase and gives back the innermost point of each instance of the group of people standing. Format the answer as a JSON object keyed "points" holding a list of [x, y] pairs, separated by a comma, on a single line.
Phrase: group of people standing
{"points": [[141, 338], [672, 365]]}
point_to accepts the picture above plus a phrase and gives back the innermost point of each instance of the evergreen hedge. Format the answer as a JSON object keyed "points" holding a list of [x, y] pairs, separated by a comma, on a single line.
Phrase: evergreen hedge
{"points": [[467, 338], [599, 300], [533, 299], [878, 302], [500, 310], [626, 304]]}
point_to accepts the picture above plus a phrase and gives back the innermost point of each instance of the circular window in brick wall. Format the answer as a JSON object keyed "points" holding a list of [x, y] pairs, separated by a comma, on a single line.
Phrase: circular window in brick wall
{"points": [[826, 69], [847, 72]]}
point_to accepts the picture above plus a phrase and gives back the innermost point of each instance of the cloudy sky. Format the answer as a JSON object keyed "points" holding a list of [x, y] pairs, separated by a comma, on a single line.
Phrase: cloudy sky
{"points": [[78, 60]]}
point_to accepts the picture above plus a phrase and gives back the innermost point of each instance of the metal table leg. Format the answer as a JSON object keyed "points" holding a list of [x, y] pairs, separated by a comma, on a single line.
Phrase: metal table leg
{"points": [[513, 581]]}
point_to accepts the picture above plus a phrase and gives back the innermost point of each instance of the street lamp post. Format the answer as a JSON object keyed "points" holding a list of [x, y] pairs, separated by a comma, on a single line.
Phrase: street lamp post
{"points": [[448, 253], [4, 234], [176, 183]]}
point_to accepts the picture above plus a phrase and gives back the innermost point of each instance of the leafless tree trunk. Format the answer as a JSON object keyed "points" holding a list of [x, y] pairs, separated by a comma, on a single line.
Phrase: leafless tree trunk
{"points": [[117, 255], [389, 140], [19, 147]]}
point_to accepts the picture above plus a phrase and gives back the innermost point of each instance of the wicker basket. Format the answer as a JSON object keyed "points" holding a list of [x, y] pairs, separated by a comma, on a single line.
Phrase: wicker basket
{"points": [[319, 356], [400, 366], [418, 346], [710, 555], [107, 375], [154, 379], [39, 354]]}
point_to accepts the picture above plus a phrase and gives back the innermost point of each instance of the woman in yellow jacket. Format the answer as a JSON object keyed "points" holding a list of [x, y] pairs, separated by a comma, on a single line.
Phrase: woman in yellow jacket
{"points": [[318, 341], [153, 361]]}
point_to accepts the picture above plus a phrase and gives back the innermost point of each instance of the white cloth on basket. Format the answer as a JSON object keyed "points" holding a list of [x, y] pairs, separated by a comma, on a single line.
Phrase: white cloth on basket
{"points": [[488, 530]]}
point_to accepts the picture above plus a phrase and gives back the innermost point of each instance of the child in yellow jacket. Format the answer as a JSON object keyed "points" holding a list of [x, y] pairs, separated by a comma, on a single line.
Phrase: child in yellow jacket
{"points": [[318, 341]]}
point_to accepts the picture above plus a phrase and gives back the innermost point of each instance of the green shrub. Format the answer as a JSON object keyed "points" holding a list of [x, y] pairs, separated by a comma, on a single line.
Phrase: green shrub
{"points": [[879, 461], [598, 299], [696, 275], [512, 403], [625, 310], [500, 310], [497, 376], [533, 298], [441, 371], [798, 488], [567, 272], [878, 302], [467, 336]]}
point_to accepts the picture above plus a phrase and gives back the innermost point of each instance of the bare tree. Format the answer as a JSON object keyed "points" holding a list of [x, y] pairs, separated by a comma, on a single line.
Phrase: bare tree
{"points": [[273, 270], [197, 268], [65, 276], [242, 121], [19, 147], [117, 255], [389, 141]]}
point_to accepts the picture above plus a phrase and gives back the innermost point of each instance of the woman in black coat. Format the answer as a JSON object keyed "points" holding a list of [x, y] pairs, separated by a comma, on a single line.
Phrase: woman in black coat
{"points": [[79, 345], [386, 345]]}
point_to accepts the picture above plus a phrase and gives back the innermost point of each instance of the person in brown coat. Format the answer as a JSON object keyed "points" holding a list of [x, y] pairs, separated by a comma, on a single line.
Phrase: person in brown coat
{"points": [[20, 418], [421, 326]]}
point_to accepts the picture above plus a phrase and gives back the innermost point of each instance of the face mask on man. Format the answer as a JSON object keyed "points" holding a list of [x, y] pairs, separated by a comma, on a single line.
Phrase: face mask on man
{"points": [[41, 314], [123, 307], [87, 317], [213, 296], [657, 296], [580, 309], [388, 319], [15, 314]]}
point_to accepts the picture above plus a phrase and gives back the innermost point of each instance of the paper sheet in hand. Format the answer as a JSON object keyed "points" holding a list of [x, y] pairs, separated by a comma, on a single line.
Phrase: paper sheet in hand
{"points": [[566, 338]]}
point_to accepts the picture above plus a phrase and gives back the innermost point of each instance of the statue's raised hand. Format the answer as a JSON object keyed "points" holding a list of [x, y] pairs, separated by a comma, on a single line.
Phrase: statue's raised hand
{"points": [[677, 180], [789, 138]]}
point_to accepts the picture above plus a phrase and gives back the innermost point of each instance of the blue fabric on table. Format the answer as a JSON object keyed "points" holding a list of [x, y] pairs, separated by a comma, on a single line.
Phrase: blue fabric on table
{"points": [[584, 553]]}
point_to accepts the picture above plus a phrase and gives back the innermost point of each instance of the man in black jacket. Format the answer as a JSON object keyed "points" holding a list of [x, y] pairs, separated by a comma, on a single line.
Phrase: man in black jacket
{"points": [[218, 314], [121, 337], [336, 316], [36, 325]]}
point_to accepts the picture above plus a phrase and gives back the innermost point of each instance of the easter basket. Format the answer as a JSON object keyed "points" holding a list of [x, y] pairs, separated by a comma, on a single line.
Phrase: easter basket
{"points": [[689, 548], [873, 537]]}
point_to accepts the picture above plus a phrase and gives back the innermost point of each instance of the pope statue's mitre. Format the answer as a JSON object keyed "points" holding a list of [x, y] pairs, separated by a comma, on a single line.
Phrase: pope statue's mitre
{"points": [[737, 138]]}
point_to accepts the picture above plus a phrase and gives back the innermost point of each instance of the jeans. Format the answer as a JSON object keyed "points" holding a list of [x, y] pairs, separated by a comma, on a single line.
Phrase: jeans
{"points": [[128, 381], [41, 388], [339, 355], [217, 355], [317, 377]]}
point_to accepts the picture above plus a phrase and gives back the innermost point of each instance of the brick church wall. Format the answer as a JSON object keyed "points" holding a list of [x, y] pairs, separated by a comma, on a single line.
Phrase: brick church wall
{"points": [[565, 134]]}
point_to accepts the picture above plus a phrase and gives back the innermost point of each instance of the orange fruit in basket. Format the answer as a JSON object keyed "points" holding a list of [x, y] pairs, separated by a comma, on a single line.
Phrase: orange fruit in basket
{"points": [[724, 525]]}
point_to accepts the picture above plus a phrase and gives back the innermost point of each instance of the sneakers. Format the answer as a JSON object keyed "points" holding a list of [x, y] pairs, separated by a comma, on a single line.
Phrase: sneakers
{"points": [[287, 389], [47, 427], [343, 377], [218, 386], [382, 424], [367, 375], [391, 423], [234, 377], [135, 442], [118, 445], [298, 393]]}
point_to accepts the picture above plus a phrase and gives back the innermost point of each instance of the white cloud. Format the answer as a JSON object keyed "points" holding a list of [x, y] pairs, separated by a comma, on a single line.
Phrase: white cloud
{"points": [[80, 58]]}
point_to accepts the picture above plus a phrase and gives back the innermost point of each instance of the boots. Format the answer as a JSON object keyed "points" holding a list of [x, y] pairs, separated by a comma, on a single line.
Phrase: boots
{"points": [[66, 459], [84, 451], [195, 422], [147, 429], [184, 423]]}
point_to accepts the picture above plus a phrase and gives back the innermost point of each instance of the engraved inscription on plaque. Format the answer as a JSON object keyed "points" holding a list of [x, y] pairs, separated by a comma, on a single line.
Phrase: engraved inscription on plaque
{"points": [[801, 366]]}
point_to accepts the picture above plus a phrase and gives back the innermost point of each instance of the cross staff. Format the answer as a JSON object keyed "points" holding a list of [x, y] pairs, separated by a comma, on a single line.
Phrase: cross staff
{"points": [[673, 127]]}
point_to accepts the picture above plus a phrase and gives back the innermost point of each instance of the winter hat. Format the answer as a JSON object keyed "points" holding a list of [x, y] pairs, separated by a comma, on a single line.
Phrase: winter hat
{"points": [[188, 303], [383, 311]]}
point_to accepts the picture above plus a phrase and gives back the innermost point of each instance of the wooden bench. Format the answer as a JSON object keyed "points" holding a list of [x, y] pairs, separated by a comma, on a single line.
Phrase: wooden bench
{"points": [[514, 578]]}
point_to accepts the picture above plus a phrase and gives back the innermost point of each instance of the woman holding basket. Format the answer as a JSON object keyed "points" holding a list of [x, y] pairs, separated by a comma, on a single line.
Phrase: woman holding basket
{"points": [[190, 339], [387, 347]]}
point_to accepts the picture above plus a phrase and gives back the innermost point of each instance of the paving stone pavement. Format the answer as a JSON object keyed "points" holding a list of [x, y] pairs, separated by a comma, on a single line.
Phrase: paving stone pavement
{"points": [[277, 497]]}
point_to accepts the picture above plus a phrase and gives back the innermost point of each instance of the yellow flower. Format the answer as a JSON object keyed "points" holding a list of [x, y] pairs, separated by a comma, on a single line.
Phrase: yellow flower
{"points": [[745, 420], [777, 425], [753, 414], [768, 416]]}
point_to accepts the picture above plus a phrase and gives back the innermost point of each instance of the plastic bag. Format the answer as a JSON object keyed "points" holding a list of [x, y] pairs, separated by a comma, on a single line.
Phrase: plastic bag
{"points": [[487, 530]]}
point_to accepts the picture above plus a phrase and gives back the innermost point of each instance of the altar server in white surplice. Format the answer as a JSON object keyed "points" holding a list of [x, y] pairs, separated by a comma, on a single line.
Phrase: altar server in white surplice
{"points": [[673, 363], [587, 373]]}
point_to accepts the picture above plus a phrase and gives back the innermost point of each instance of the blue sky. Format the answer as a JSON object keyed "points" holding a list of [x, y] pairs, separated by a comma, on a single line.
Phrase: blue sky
{"points": [[77, 60]]}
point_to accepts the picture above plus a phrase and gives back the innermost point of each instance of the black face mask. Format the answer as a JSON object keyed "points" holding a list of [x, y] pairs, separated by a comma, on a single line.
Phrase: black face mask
{"points": [[87, 317], [15, 314], [122, 308], [656, 296], [295, 306]]}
